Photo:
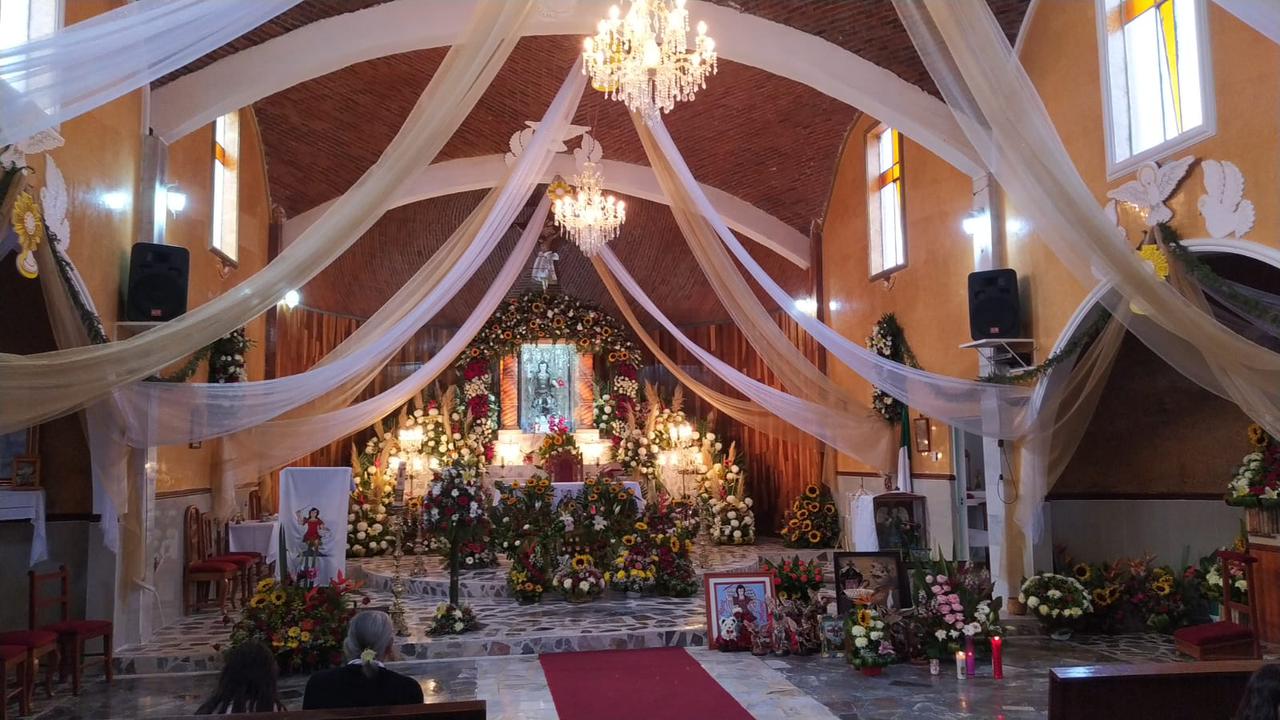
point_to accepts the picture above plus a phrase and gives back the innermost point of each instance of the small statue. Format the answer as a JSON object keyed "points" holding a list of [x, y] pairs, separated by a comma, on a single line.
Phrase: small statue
{"points": [[760, 642], [778, 629], [832, 637]]}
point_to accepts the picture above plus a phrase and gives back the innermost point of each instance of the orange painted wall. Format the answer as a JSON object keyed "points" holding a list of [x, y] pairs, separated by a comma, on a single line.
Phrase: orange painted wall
{"points": [[926, 295]]}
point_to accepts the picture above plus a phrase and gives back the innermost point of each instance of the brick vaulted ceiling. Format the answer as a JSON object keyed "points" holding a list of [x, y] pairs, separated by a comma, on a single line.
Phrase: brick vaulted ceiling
{"points": [[768, 140]]}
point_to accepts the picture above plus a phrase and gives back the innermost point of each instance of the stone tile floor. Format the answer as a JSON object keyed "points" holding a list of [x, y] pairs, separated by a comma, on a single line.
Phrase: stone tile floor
{"points": [[773, 687]]}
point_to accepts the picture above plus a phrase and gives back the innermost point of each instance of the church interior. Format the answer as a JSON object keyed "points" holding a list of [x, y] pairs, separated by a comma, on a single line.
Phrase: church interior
{"points": [[858, 359]]}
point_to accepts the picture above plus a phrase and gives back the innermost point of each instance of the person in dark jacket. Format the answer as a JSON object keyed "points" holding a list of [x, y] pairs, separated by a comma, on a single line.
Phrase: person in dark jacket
{"points": [[1261, 699], [364, 681]]}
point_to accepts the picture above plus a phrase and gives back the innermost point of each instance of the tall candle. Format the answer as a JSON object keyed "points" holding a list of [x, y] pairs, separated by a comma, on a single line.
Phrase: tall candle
{"points": [[960, 664], [997, 660], [969, 664]]}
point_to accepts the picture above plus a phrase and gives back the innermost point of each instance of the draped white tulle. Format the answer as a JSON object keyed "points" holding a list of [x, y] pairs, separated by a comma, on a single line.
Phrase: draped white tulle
{"points": [[35, 388], [1000, 111], [90, 63], [178, 413], [1261, 15]]}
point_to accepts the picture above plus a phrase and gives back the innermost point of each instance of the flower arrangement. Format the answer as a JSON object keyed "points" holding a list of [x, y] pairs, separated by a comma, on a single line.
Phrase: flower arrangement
{"points": [[1256, 483], [634, 568], [723, 494], [579, 580], [558, 441], [226, 357], [527, 579], [889, 340], [304, 627], [449, 619], [865, 641], [1057, 600], [1206, 577], [954, 602], [367, 527], [794, 579], [732, 521], [1106, 585], [1159, 599], [523, 515], [812, 520], [455, 510], [675, 575]]}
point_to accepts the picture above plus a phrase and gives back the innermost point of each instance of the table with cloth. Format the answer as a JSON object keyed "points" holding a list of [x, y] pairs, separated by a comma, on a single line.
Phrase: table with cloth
{"points": [[561, 490], [262, 537], [27, 505]]}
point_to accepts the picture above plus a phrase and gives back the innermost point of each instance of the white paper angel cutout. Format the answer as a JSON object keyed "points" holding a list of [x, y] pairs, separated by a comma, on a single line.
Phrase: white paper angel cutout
{"points": [[1154, 185], [15, 155], [589, 151], [53, 196], [521, 139], [1223, 206], [556, 8]]}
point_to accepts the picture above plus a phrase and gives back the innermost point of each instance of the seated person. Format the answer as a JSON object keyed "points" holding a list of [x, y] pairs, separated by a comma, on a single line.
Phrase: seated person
{"points": [[247, 683], [1261, 699], [364, 681]]}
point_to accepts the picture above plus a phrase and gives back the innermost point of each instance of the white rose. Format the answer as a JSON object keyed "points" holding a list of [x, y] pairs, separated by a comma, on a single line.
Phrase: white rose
{"points": [[1044, 609], [360, 536], [748, 502], [362, 526], [351, 517], [736, 533], [860, 642], [1033, 602], [568, 584], [583, 585], [877, 635], [858, 631]]}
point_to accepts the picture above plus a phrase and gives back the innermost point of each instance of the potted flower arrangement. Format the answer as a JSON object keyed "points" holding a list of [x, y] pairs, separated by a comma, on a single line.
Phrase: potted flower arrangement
{"points": [[1206, 578], [1256, 484], [674, 573], [954, 604], [794, 579], [558, 442], [449, 619], [579, 580], [454, 509], [866, 646], [633, 570], [523, 515], [304, 627], [812, 520], [1160, 600], [527, 578], [1106, 585], [1057, 600]]}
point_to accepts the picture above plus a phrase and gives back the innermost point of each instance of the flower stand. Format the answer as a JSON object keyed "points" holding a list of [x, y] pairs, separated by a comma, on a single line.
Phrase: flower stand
{"points": [[1262, 521]]}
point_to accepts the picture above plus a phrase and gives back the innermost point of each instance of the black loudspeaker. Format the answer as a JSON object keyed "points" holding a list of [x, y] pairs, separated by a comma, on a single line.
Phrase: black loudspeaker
{"points": [[157, 282], [995, 310]]}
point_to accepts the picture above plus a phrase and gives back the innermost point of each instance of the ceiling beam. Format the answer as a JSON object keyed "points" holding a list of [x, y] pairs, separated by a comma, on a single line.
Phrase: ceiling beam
{"points": [[486, 171], [325, 46]]}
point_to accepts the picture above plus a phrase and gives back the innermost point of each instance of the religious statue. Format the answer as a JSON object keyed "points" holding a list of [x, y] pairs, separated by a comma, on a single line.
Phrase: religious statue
{"points": [[544, 391], [544, 268]]}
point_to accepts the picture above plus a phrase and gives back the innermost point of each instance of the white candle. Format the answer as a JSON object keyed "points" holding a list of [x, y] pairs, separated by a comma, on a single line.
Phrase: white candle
{"points": [[960, 664]]}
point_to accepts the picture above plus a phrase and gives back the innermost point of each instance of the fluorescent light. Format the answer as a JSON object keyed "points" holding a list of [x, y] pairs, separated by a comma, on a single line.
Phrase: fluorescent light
{"points": [[291, 299], [975, 223], [177, 201], [807, 305], [115, 200]]}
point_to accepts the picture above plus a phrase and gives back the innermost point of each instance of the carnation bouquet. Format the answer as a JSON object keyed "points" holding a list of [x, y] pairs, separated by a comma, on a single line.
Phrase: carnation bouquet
{"points": [[579, 580], [866, 644], [449, 619], [523, 515], [303, 627], [812, 520], [794, 579], [1057, 600]]}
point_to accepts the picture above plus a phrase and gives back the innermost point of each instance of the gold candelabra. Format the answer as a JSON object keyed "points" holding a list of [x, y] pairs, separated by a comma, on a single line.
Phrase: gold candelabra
{"points": [[397, 581]]}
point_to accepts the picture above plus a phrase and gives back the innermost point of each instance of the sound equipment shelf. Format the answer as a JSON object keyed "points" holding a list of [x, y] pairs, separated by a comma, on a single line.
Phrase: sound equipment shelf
{"points": [[1004, 350]]}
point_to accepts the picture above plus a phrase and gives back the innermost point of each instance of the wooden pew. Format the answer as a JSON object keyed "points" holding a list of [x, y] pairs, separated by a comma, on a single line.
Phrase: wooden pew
{"points": [[464, 710], [1150, 691]]}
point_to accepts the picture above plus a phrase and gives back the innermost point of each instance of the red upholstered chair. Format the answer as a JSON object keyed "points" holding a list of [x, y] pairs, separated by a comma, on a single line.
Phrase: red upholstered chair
{"points": [[1227, 638], [35, 645], [72, 634], [13, 657], [255, 568], [565, 467], [199, 571]]}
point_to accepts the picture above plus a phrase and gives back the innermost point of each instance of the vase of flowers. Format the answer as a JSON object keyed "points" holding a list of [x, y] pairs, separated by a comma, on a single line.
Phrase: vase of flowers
{"points": [[578, 580], [794, 579], [866, 645], [449, 619], [303, 627], [1256, 484], [633, 570], [455, 510], [1058, 601], [812, 520]]}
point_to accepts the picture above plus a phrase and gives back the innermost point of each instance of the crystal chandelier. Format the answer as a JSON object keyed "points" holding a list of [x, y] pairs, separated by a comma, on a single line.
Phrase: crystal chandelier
{"points": [[590, 217], [643, 58]]}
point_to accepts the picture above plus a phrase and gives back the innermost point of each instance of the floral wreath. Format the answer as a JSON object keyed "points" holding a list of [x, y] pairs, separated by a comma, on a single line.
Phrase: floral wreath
{"points": [[538, 316], [889, 340]]}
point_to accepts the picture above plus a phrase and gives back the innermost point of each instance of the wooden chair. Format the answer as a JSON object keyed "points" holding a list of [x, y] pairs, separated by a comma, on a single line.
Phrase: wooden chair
{"points": [[35, 644], [72, 634], [199, 569], [255, 504], [13, 657], [251, 573], [1227, 638], [215, 541]]}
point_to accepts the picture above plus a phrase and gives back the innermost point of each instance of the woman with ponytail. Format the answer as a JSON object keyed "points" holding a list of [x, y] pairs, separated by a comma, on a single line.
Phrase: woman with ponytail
{"points": [[364, 681]]}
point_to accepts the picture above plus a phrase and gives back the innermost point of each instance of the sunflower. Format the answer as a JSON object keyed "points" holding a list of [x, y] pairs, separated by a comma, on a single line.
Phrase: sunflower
{"points": [[1257, 436], [793, 523], [628, 540], [1083, 572], [811, 491], [811, 507], [640, 525], [675, 544], [258, 601], [278, 597], [802, 514], [815, 536], [806, 525], [265, 584], [865, 617], [829, 509], [580, 562]]}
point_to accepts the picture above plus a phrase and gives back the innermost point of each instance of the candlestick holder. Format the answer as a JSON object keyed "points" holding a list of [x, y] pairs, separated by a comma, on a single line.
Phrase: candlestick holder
{"points": [[397, 584]]}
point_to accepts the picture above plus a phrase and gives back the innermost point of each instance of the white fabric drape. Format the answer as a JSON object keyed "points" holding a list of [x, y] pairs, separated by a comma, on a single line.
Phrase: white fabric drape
{"points": [[1261, 15], [34, 388], [93, 62], [999, 109], [177, 413]]}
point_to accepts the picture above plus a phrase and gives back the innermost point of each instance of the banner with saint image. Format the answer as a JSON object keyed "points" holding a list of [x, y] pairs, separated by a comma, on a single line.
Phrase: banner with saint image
{"points": [[313, 519]]}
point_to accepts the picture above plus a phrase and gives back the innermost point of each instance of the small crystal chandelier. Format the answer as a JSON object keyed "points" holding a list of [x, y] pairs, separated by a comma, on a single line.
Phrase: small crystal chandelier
{"points": [[643, 58], [590, 217]]}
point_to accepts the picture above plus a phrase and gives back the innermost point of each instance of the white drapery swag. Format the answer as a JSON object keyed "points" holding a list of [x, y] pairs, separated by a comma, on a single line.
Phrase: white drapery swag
{"points": [[1261, 15], [178, 413], [35, 388], [57, 77], [1000, 111]]}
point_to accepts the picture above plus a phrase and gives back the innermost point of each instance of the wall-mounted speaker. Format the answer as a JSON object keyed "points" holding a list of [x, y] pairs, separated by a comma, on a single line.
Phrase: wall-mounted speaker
{"points": [[995, 310], [157, 282]]}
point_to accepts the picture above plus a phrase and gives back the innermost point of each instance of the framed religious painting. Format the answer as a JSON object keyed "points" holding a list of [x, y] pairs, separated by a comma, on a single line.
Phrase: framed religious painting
{"points": [[26, 472], [733, 597], [871, 578], [17, 444]]}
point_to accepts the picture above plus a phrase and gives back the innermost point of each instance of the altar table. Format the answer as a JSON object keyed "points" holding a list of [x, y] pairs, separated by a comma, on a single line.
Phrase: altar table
{"points": [[27, 505], [262, 537], [560, 490]]}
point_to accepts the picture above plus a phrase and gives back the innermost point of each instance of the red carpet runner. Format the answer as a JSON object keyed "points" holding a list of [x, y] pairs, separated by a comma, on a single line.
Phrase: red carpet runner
{"points": [[648, 684]]}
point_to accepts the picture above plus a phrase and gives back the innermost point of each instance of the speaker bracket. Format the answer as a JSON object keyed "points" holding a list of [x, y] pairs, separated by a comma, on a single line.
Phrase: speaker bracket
{"points": [[1015, 353]]}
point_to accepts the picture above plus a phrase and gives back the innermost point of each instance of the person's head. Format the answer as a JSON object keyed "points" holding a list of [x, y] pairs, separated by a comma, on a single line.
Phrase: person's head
{"points": [[542, 365], [314, 514], [369, 636], [1261, 699], [740, 591], [247, 682]]}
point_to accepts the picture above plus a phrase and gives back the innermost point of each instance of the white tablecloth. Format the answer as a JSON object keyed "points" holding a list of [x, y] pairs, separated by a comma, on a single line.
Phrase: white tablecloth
{"points": [[260, 537], [27, 505]]}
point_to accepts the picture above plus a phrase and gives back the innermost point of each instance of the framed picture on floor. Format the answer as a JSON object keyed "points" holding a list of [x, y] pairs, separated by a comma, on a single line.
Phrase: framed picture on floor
{"points": [[871, 578], [727, 592]]}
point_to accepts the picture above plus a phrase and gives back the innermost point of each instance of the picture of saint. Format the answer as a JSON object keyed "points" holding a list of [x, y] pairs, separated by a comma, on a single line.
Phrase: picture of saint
{"points": [[544, 390], [314, 531], [546, 385], [744, 598], [871, 579]]}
